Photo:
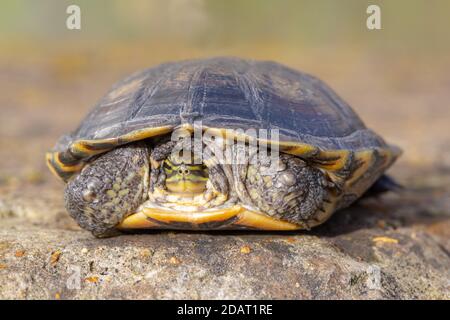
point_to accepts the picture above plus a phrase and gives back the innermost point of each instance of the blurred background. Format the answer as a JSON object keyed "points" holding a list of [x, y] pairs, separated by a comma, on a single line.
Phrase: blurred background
{"points": [[396, 78]]}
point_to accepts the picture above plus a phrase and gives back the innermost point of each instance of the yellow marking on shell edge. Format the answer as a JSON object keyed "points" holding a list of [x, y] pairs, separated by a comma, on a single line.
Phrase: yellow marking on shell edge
{"points": [[186, 126], [48, 161], [53, 161], [245, 217], [84, 146], [259, 221], [52, 170], [338, 159], [137, 221], [296, 148], [146, 133], [229, 134], [191, 217], [365, 158], [300, 150]]}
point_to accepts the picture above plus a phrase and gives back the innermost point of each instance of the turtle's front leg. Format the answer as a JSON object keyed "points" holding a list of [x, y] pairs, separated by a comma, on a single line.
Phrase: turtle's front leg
{"points": [[109, 188], [289, 189]]}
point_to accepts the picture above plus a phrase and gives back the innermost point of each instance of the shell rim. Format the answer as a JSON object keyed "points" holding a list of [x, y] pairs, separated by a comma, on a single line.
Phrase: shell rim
{"points": [[64, 164]]}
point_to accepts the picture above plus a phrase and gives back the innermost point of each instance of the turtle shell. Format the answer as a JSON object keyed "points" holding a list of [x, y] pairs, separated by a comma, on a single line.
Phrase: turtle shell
{"points": [[226, 94]]}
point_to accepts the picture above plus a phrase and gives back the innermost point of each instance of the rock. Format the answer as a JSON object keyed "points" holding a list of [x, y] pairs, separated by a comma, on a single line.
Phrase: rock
{"points": [[394, 247]]}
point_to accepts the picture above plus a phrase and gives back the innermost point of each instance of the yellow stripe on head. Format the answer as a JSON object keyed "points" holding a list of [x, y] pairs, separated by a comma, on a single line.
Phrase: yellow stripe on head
{"points": [[185, 178]]}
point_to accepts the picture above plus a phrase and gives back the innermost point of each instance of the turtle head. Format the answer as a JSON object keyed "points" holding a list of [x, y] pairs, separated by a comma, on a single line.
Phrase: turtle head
{"points": [[184, 175], [108, 189]]}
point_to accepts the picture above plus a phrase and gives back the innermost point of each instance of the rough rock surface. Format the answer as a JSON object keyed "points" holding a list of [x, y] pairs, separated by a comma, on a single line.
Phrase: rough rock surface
{"points": [[395, 246]]}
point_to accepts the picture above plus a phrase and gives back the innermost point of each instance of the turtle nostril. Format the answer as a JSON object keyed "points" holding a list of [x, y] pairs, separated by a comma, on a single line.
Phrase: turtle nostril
{"points": [[183, 171]]}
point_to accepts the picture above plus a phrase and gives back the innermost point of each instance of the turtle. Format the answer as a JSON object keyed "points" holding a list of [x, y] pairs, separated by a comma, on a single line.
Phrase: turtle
{"points": [[217, 144]]}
